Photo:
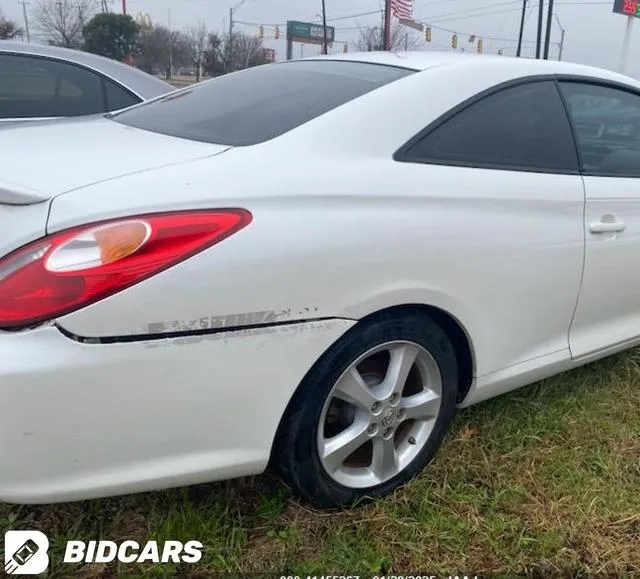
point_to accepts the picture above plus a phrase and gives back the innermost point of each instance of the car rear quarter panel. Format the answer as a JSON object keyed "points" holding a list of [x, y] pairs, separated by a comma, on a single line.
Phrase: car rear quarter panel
{"points": [[499, 251]]}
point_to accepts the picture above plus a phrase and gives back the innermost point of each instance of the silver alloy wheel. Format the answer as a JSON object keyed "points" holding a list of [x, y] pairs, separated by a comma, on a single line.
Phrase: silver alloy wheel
{"points": [[379, 414]]}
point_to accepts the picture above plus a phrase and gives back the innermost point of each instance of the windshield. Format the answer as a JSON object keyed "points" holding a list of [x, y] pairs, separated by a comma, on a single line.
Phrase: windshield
{"points": [[261, 103]]}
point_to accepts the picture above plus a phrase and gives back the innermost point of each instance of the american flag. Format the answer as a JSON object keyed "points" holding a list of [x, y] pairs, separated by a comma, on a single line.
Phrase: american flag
{"points": [[402, 9]]}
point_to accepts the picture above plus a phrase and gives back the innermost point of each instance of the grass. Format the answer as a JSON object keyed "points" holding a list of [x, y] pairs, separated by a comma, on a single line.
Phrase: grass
{"points": [[181, 81], [543, 481]]}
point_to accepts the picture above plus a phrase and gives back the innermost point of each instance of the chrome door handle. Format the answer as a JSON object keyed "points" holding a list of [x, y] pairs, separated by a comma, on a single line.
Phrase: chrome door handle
{"points": [[607, 227]]}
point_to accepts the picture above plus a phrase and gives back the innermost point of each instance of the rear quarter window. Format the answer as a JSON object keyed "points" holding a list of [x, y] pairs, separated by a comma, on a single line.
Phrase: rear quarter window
{"points": [[33, 86], [261, 103]]}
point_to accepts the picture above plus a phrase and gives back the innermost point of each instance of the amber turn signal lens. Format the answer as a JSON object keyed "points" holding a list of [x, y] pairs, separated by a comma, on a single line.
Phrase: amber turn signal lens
{"points": [[121, 240]]}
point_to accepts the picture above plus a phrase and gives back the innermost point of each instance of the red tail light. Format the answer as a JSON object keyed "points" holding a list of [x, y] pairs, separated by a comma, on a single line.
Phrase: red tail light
{"points": [[74, 268]]}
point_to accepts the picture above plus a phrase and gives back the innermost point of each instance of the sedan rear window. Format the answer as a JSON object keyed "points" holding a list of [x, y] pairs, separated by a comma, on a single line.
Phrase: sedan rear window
{"points": [[261, 103]]}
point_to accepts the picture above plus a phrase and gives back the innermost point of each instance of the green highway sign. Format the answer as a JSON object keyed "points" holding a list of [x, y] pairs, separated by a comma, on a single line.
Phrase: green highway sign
{"points": [[309, 32]]}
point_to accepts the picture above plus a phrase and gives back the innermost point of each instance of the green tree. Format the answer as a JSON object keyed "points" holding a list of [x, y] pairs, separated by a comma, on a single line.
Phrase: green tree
{"points": [[112, 35], [9, 29]]}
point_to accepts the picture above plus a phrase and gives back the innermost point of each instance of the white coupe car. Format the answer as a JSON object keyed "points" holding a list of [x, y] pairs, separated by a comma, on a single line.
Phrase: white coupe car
{"points": [[307, 265]]}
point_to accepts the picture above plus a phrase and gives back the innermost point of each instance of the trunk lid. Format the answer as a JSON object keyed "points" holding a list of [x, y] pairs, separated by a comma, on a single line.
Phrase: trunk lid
{"points": [[43, 159], [40, 160], [20, 225]]}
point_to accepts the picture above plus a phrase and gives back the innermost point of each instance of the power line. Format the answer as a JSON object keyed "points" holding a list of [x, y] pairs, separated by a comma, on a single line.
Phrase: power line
{"points": [[464, 14], [335, 19], [467, 11], [479, 15], [473, 34], [370, 13]]}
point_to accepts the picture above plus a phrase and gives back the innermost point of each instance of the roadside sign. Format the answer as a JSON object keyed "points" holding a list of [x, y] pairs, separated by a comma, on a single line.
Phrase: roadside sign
{"points": [[308, 32], [411, 24], [627, 7], [269, 54]]}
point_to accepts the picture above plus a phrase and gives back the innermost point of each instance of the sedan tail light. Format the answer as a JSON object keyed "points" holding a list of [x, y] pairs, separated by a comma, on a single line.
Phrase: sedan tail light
{"points": [[77, 267]]}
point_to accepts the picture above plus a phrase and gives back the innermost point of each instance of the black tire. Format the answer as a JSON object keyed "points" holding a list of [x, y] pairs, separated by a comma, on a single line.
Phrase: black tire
{"points": [[295, 454]]}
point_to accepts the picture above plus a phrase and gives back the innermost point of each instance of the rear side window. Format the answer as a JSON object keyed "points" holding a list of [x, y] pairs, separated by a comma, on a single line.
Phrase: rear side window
{"points": [[258, 104], [607, 125], [523, 127], [117, 97], [40, 87]]}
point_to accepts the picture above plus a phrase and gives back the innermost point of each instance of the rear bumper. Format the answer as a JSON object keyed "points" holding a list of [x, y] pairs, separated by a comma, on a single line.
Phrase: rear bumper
{"points": [[83, 421]]}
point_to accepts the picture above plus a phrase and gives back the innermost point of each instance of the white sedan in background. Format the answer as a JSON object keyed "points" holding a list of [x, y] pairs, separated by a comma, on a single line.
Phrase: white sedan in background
{"points": [[308, 265], [38, 81]]}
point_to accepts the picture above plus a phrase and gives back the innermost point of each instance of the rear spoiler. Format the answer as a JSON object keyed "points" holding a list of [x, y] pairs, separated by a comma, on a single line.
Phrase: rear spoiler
{"points": [[12, 194]]}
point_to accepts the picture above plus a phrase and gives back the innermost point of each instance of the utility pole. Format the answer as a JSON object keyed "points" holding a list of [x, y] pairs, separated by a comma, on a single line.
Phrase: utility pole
{"points": [[325, 48], [26, 19], [170, 46], [524, 10], [547, 38], [387, 25], [562, 31], [625, 44], [124, 6], [232, 11], [540, 18]]}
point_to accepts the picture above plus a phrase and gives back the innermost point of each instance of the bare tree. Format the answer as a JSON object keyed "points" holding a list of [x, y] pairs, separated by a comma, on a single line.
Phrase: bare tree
{"points": [[197, 36], [61, 21], [243, 51], [8, 28], [230, 53], [154, 54], [402, 38]]}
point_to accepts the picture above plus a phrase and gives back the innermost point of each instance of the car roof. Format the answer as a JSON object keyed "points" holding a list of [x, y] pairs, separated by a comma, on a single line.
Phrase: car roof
{"points": [[137, 81], [424, 60]]}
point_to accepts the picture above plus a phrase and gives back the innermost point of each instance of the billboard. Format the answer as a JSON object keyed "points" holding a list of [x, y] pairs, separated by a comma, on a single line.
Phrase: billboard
{"points": [[627, 7], [308, 32]]}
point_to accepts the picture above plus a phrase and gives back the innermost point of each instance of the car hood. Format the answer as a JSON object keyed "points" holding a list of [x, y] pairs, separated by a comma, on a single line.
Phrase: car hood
{"points": [[43, 159]]}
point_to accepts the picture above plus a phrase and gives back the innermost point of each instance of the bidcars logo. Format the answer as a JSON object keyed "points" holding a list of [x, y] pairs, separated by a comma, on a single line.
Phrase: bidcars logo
{"points": [[25, 552], [132, 552]]}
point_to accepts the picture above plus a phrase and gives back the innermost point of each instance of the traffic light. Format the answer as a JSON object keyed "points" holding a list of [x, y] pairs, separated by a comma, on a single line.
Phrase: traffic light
{"points": [[427, 34], [277, 33], [479, 45], [261, 32], [454, 41]]}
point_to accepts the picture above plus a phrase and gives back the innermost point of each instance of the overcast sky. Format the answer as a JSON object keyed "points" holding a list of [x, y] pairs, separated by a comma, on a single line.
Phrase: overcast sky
{"points": [[593, 33]]}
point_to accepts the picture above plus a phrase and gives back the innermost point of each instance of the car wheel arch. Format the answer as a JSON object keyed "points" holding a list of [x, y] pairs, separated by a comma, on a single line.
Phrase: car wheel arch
{"points": [[454, 329]]}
